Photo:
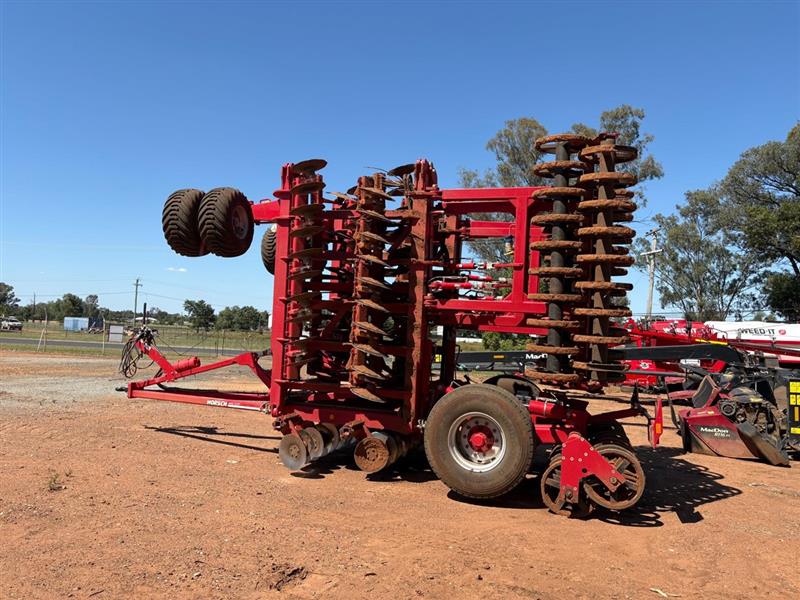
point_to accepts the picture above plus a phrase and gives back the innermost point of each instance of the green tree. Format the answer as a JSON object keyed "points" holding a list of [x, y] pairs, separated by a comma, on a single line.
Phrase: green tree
{"points": [[697, 270], [8, 299], [91, 306], [782, 294], [69, 305], [516, 156], [201, 314], [244, 318], [761, 200]]}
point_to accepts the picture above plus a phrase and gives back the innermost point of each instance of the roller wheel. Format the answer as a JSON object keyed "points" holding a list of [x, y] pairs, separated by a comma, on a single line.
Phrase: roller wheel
{"points": [[268, 249], [226, 222], [629, 493], [179, 220], [479, 441], [550, 485]]}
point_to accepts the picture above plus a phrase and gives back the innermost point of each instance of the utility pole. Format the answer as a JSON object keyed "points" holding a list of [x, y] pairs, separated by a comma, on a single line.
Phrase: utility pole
{"points": [[651, 268], [136, 286]]}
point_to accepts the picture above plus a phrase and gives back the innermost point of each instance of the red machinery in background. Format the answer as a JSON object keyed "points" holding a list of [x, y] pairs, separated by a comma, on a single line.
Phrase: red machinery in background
{"points": [[362, 277], [773, 344]]}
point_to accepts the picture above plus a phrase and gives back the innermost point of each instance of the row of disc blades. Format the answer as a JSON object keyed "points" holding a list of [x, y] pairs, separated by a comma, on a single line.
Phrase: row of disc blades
{"points": [[358, 254], [585, 245]]}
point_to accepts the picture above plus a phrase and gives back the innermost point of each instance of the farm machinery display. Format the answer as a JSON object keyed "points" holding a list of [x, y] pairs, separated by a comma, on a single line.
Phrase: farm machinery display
{"points": [[361, 278], [739, 391], [776, 345]]}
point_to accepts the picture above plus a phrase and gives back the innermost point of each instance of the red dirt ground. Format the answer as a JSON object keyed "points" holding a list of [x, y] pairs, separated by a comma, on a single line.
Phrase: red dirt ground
{"points": [[171, 501]]}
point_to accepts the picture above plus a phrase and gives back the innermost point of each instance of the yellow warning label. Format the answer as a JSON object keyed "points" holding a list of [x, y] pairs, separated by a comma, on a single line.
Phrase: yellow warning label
{"points": [[794, 399], [797, 414], [796, 430], [794, 387]]}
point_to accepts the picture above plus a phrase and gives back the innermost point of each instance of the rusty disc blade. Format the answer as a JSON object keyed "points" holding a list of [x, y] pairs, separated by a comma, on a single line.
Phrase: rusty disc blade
{"points": [[600, 339], [367, 349], [372, 237], [372, 191], [306, 231], [547, 377], [548, 218], [307, 187], [372, 283], [304, 297], [304, 274], [602, 312], [553, 323], [569, 168], [610, 231], [615, 204], [401, 170], [602, 285], [608, 178], [367, 326], [362, 392], [555, 297], [307, 210], [550, 193], [608, 259], [373, 259], [310, 165], [373, 214], [557, 271], [371, 304], [367, 372], [621, 153], [574, 142], [563, 245], [552, 349], [345, 197], [604, 367]]}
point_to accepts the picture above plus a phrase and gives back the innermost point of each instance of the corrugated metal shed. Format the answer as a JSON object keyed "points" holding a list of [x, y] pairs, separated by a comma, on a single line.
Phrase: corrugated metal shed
{"points": [[76, 323]]}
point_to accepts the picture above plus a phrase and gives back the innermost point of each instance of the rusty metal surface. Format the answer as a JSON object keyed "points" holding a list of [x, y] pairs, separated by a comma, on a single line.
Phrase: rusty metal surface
{"points": [[586, 249]]}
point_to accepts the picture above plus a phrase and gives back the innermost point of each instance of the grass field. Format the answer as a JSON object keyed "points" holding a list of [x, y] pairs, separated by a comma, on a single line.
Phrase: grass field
{"points": [[213, 342], [168, 335]]}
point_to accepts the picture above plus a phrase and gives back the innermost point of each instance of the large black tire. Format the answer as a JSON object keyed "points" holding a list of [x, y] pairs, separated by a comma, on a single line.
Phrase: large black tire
{"points": [[226, 222], [179, 221], [448, 425], [268, 249]]}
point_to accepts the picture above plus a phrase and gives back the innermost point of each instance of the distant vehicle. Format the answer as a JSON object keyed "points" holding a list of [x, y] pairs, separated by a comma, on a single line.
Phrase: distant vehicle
{"points": [[10, 324]]}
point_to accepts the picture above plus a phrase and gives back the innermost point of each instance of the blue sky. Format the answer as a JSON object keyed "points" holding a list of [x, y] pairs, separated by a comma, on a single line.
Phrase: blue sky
{"points": [[109, 106]]}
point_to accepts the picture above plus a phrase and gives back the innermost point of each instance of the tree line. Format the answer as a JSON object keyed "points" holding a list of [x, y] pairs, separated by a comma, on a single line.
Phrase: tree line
{"points": [[198, 314]]}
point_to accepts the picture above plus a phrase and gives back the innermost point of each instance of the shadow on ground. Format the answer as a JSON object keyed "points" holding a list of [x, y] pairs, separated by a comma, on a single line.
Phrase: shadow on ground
{"points": [[674, 485], [215, 436]]}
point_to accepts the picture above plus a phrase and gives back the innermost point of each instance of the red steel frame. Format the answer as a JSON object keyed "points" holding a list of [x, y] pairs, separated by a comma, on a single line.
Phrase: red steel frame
{"points": [[438, 216]]}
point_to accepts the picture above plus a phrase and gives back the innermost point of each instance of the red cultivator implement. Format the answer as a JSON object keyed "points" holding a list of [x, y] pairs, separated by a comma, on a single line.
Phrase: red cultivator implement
{"points": [[363, 277]]}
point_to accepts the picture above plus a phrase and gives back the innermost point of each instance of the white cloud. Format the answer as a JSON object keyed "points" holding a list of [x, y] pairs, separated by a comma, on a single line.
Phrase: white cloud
{"points": [[177, 269]]}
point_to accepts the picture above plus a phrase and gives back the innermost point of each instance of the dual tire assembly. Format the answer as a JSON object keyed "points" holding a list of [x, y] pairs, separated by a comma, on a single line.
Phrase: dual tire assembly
{"points": [[218, 222]]}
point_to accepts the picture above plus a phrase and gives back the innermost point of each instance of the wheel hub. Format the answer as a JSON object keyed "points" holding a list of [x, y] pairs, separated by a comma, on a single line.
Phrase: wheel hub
{"points": [[481, 439], [476, 442]]}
